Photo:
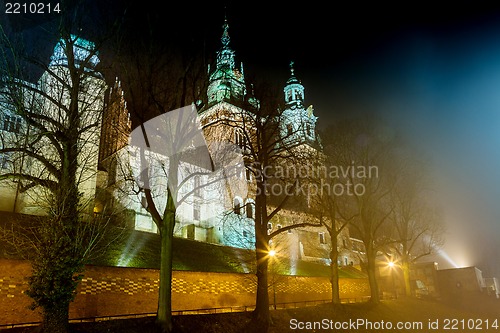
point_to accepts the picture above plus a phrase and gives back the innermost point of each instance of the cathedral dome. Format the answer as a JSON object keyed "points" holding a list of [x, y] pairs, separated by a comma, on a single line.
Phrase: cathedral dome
{"points": [[292, 80]]}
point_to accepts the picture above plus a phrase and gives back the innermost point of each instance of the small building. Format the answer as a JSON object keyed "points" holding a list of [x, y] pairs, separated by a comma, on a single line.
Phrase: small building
{"points": [[492, 286], [424, 280], [456, 283]]}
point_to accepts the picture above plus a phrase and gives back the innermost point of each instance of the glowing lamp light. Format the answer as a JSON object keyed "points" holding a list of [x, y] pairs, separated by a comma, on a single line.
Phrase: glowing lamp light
{"points": [[272, 253], [390, 264]]}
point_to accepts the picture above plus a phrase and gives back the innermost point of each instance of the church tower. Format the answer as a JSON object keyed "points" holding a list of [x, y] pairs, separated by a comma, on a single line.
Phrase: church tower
{"points": [[226, 82], [298, 123]]}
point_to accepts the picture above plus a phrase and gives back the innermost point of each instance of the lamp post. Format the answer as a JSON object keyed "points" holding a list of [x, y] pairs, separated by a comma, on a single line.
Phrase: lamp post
{"points": [[392, 266], [272, 254]]}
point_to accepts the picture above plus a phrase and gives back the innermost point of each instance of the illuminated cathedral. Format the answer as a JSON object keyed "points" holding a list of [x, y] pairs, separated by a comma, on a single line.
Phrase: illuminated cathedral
{"points": [[214, 214]]}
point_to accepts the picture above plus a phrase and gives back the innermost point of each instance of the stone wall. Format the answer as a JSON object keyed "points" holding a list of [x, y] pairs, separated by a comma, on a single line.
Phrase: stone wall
{"points": [[109, 291]]}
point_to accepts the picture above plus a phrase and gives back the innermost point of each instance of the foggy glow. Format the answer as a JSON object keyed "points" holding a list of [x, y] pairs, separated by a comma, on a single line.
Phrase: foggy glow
{"points": [[242, 261], [446, 257], [131, 248], [293, 266], [390, 264], [272, 253]]}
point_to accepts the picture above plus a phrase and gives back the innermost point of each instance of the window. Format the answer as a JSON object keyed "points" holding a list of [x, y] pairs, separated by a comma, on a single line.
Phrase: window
{"points": [[309, 130], [249, 209], [4, 160], [11, 123], [237, 206], [197, 186], [289, 129], [269, 225], [196, 212], [239, 138], [245, 233], [298, 95], [278, 226], [322, 238], [248, 175], [144, 202]]}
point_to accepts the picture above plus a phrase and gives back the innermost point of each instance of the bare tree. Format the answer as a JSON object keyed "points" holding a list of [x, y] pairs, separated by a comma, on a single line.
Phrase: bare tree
{"points": [[369, 174], [267, 149], [418, 227], [161, 84], [51, 139], [334, 199]]}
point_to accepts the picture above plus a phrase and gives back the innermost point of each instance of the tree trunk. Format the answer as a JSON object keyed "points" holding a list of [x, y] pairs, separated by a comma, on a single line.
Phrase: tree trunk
{"points": [[53, 283], [334, 265], [334, 271], [55, 319], [372, 279], [164, 313], [261, 318], [405, 266]]}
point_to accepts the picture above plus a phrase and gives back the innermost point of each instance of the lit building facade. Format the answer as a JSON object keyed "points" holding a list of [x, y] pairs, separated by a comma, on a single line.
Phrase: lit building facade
{"points": [[217, 204]]}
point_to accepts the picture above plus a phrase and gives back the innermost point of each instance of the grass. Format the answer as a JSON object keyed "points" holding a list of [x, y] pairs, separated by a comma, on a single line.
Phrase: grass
{"points": [[142, 250], [411, 311]]}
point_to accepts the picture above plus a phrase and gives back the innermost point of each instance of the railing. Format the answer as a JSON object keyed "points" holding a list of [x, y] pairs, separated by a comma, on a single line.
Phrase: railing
{"points": [[228, 309], [362, 299]]}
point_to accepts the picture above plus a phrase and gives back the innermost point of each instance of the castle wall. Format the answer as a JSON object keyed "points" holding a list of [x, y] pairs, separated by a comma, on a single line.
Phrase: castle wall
{"points": [[110, 291]]}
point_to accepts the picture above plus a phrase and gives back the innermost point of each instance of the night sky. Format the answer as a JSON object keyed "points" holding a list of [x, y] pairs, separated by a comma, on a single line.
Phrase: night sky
{"points": [[432, 73]]}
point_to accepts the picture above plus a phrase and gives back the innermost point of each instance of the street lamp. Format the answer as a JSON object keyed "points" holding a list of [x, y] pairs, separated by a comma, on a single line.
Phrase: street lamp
{"points": [[272, 254]]}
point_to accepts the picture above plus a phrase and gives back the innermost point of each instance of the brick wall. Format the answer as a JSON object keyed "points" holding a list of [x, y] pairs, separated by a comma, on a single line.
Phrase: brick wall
{"points": [[13, 303], [107, 291]]}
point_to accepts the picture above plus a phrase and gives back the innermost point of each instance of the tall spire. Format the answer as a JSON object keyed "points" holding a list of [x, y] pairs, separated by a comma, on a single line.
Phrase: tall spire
{"points": [[226, 81], [225, 56], [225, 33]]}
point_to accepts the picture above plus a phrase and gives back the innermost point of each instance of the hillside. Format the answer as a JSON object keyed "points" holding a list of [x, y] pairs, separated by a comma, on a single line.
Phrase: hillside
{"points": [[142, 250]]}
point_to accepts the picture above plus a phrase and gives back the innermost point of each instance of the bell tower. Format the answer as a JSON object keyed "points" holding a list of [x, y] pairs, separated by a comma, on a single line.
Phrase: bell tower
{"points": [[294, 90], [299, 123], [227, 81]]}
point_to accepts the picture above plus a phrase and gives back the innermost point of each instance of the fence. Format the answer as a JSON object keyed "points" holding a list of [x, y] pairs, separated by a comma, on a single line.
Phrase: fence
{"points": [[230, 309]]}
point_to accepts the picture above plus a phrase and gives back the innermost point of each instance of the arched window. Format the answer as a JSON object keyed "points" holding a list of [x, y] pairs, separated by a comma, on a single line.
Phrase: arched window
{"points": [[239, 138], [237, 206], [289, 129], [249, 208]]}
